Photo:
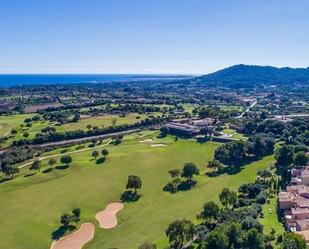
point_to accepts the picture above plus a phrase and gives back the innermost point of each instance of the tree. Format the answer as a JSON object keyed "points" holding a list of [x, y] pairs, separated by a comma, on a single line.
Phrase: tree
{"points": [[105, 152], [76, 214], [180, 232], [215, 165], [51, 162], [147, 245], [9, 170], [293, 241], [189, 170], [234, 235], [66, 159], [285, 155], [174, 173], [36, 165], [164, 131], [216, 240], [249, 223], [95, 154], [301, 159], [253, 239], [114, 121], [259, 145], [13, 131], [264, 174], [210, 212], [66, 219], [134, 182], [231, 153], [228, 197], [26, 134]]}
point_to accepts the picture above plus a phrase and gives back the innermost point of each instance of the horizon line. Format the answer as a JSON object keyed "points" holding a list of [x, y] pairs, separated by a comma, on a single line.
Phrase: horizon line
{"points": [[149, 73]]}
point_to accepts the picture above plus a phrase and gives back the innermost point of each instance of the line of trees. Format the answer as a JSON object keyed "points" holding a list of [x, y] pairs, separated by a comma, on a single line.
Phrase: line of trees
{"points": [[41, 138]]}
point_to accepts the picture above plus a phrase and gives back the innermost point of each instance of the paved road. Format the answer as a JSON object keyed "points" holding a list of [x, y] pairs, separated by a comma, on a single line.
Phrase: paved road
{"points": [[297, 115], [84, 139], [248, 109]]}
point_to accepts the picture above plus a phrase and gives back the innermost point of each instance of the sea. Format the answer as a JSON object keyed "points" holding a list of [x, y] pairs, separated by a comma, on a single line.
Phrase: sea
{"points": [[12, 80]]}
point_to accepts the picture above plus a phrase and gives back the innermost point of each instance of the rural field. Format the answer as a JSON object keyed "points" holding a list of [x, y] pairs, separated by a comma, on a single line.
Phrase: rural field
{"points": [[101, 121], [31, 206], [12, 121]]}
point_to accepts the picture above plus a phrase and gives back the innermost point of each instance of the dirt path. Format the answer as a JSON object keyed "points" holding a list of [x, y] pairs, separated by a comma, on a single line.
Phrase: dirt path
{"points": [[77, 239], [107, 218]]}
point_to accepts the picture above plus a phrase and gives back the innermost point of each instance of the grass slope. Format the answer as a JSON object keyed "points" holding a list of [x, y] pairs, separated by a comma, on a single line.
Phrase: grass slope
{"points": [[270, 220], [31, 206]]}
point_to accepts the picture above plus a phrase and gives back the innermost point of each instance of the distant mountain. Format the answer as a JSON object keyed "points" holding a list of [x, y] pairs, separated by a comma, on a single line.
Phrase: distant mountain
{"points": [[249, 76]]}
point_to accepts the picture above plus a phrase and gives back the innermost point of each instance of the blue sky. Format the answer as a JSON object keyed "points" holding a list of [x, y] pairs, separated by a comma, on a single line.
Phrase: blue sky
{"points": [[151, 36]]}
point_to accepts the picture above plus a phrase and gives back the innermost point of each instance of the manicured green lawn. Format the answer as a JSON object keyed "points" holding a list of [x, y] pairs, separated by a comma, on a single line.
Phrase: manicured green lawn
{"points": [[229, 131], [234, 134], [31, 206], [270, 220], [239, 136]]}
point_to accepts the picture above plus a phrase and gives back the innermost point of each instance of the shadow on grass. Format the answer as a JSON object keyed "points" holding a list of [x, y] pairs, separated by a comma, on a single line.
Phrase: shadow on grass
{"points": [[162, 135], [130, 196], [5, 180], [186, 185], [235, 168], [47, 170], [173, 187], [100, 160], [31, 174], [62, 166], [230, 170], [57, 234]]}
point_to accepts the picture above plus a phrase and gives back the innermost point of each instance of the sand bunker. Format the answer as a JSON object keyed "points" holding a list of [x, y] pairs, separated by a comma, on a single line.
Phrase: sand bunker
{"points": [[77, 239], [107, 218], [158, 145], [149, 140]]}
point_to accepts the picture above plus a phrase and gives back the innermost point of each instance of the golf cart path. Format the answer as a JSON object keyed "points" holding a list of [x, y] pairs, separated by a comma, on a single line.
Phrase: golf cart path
{"points": [[66, 153]]}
